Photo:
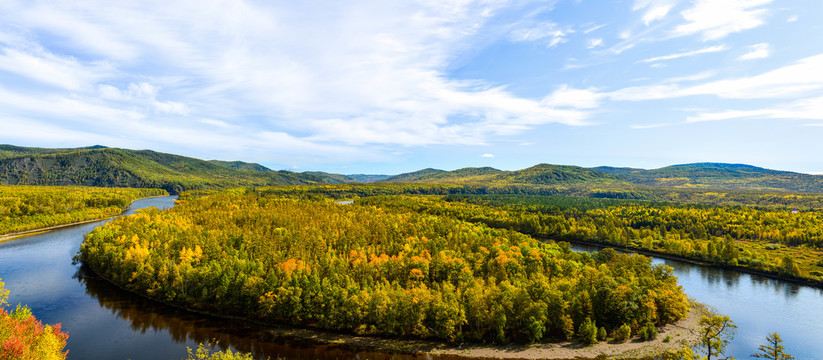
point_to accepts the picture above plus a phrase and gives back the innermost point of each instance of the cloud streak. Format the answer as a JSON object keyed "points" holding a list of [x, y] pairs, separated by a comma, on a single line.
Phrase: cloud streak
{"points": [[708, 50]]}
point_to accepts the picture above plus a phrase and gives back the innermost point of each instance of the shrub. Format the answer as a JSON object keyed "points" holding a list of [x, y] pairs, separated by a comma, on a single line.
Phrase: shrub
{"points": [[601, 334], [623, 333], [587, 332], [647, 332]]}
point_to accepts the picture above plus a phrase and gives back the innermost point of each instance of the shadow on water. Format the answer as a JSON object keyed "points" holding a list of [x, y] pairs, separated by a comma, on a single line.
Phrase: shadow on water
{"points": [[146, 315]]}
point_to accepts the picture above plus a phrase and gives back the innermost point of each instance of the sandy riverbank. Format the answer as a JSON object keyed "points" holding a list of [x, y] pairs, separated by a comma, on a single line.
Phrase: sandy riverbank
{"points": [[17, 234], [682, 334]]}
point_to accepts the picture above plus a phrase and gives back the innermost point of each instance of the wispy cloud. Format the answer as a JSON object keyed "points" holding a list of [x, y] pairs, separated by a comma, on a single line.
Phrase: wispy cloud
{"points": [[714, 19], [593, 28], [566, 96], [757, 51], [799, 79], [550, 32], [806, 109], [487, 155], [711, 49], [350, 77], [593, 43], [654, 9]]}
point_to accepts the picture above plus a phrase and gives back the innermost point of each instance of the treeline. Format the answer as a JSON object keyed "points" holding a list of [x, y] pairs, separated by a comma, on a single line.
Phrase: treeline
{"points": [[377, 270], [772, 240], [33, 207], [727, 198]]}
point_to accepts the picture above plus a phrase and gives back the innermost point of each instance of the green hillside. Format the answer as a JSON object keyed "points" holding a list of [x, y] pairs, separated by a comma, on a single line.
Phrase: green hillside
{"points": [[721, 176], [240, 165], [328, 178], [419, 175], [542, 174], [109, 167], [367, 178], [16, 151]]}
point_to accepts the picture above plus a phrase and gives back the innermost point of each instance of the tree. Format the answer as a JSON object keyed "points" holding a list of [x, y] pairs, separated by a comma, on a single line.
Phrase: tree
{"points": [[715, 333], [773, 350], [588, 332]]}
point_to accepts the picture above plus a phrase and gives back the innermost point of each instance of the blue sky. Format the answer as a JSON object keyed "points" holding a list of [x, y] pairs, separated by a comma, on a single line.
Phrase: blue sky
{"points": [[395, 86]]}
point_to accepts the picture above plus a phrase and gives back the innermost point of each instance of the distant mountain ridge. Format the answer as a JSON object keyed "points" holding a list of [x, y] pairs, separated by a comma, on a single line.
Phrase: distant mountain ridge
{"points": [[720, 176], [240, 165], [111, 167], [541, 174], [102, 166]]}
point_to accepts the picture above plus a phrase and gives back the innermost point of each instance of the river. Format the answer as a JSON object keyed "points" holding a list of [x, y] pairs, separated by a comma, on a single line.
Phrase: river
{"points": [[758, 306], [105, 322]]}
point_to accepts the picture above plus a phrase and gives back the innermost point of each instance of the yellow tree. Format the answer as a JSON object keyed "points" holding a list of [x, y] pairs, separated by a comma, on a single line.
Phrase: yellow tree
{"points": [[773, 350]]}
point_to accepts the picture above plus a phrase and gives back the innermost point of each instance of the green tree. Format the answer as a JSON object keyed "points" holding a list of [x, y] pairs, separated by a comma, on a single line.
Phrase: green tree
{"points": [[623, 333], [773, 350], [715, 333], [588, 332]]}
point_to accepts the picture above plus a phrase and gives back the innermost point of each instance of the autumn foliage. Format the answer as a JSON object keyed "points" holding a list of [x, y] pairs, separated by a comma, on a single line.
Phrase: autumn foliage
{"points": [[23, 337], [33, 207], [371, 269]]}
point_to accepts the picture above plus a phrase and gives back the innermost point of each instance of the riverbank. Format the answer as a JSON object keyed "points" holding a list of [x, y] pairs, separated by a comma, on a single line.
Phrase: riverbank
{"points": [[664, 255], [683, 333], [17, 234]]}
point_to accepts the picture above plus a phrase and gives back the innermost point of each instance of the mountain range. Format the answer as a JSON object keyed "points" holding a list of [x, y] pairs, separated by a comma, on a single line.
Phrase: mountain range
{"points": [[103, 166]]}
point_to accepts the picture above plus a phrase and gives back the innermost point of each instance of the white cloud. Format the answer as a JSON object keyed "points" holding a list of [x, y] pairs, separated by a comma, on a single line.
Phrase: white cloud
{"points": [[372, 74], [593, 28], [806, 109], [654, 9], [573, 98], [792, 18], [796, 80], [47, 68], [546, 31], [757, 51], [487, 155], [593, 43], [714, 19], [711, 49]]}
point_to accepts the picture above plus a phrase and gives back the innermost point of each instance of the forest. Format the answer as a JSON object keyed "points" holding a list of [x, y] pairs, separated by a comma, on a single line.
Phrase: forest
{"points": [[378, 269], [34, 207], [781, 241]]}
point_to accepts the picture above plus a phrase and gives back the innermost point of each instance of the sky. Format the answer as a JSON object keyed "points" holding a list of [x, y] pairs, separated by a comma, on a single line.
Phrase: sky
{"points": [[386, 87]]}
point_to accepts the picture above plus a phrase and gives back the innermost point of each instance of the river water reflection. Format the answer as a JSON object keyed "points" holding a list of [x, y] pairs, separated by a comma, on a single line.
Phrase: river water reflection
{"points": [[105, 322], [757, 305]]}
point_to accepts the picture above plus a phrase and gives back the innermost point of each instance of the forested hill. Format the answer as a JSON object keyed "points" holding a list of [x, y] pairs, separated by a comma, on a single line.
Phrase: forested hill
{"points": [[721, 176], [110, 167], [14, 151], [542, 174], [240, 165]]}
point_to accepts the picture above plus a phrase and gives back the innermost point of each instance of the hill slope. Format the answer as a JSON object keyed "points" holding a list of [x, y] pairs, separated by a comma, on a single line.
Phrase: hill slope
{"points": [[542, 174], [240, 165], [721, 176], [109, 167]]}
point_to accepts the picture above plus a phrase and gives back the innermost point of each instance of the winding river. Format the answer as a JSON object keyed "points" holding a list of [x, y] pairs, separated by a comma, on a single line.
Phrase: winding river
{"points": [[105, 322]]}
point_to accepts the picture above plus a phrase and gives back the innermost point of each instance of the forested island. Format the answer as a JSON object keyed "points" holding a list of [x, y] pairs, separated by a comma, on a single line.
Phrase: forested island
{"points": [[377, 270]]}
